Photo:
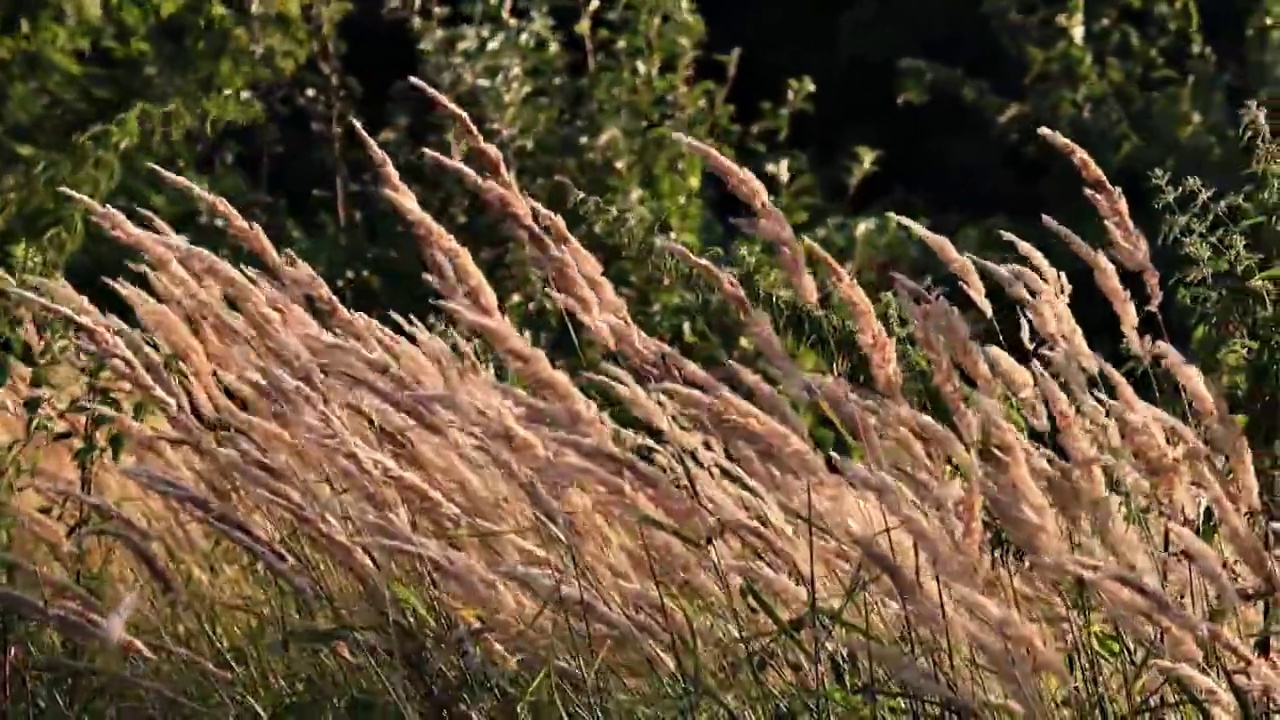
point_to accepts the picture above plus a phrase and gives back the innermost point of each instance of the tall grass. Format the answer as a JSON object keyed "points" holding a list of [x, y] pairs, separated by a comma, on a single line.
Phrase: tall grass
{"points": [[327, 515]]}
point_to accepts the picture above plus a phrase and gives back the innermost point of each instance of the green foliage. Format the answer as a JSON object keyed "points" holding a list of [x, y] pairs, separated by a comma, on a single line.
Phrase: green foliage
{"points": [[96, 89], [1231, 239], [600, 113], [594, 100], [1134, 83]]}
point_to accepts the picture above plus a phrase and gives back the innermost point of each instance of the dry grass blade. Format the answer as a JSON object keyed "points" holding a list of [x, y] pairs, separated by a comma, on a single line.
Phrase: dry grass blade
{"points": [[308, 456]]}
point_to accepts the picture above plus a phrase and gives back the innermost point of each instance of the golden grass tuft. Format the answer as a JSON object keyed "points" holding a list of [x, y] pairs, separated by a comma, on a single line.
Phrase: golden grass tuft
{"points": [[305, 446]]}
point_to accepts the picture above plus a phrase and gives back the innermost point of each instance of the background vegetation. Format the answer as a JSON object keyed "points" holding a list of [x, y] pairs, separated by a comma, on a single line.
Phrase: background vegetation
{"points": [[922, 107]]}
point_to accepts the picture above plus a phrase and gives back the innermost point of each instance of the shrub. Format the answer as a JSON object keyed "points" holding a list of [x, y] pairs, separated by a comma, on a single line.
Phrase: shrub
{"points": [[95, 89], [1228, 286]]}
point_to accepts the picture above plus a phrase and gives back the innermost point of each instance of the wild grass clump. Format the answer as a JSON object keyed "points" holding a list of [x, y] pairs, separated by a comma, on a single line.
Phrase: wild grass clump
{"points": [[328, 515]]}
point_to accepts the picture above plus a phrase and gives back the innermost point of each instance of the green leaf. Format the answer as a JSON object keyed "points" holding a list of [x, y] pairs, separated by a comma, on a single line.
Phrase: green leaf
{"points": [[1107, 643], [32, 404], [116, 442], [410, 600]]}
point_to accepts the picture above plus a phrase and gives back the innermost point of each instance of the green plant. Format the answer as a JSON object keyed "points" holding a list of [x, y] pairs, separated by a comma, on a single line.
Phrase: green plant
{"points": [[94, 90], [1138, 83], [1228, 286]]}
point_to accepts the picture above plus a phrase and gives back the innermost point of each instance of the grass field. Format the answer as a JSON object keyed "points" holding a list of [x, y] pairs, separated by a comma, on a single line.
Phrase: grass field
{"points": [[322, 516]]}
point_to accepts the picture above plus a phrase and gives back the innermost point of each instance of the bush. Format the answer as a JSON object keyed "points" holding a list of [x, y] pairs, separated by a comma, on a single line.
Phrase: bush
{"points": [[96, 89], [1229, 240]]}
